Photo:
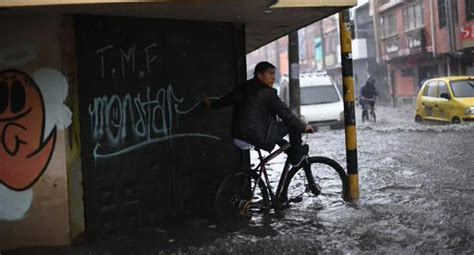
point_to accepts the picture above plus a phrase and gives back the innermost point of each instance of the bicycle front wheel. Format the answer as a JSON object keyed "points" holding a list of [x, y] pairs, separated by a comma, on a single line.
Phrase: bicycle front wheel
{"points": [[320, 175], [234, 201]]}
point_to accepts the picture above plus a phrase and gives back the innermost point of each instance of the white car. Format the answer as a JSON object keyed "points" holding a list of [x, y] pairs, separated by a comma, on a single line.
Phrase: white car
{"points": [[321, 101]]}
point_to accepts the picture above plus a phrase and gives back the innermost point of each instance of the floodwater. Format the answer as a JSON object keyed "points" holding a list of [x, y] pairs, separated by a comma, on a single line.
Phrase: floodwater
{"points": [[416, 196]]}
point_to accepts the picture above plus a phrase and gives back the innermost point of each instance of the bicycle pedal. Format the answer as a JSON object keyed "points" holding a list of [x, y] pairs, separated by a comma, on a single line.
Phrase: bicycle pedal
{"points": [[281, 206], [296, 199]]}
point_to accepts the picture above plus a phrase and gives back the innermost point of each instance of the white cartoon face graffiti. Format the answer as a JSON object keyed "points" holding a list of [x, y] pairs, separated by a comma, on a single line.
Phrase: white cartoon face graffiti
{"points": [[23, 153], [30, 111]]}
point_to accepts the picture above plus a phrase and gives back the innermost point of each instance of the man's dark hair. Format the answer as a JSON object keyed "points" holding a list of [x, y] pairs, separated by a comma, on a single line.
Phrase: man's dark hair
{"points": [[262, 67]]}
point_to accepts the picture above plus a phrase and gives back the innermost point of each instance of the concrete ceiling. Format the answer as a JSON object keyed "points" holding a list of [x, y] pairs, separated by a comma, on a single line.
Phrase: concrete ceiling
{"points": [[265, 20]]}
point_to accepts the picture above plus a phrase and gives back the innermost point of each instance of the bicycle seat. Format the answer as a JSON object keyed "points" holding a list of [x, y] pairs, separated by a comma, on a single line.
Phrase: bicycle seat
{"points": [[284, 147], [242, 144]]}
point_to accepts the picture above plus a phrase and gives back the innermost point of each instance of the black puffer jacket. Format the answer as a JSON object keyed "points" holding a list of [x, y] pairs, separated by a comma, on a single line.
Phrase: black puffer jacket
{"points": [[254, 118]]}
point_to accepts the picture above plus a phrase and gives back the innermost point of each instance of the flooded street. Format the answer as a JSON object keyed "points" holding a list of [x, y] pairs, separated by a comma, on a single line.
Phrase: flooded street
{"points": [[416, 196]]}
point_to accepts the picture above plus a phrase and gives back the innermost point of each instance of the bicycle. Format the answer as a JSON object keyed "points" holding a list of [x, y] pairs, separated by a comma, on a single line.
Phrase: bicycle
{"points": [[237, 198], [368, 114]]}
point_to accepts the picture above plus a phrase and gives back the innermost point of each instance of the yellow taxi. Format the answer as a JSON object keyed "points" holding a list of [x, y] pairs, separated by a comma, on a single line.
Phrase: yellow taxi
{"points": [[446, 99]]}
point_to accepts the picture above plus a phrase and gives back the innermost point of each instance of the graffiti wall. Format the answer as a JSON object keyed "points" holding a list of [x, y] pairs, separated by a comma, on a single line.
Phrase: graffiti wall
{"points": [[150, 151], [33, 118]]}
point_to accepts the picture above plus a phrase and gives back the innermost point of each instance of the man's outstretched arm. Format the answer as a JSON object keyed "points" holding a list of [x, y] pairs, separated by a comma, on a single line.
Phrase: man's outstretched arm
{"points": [[225, 101]]}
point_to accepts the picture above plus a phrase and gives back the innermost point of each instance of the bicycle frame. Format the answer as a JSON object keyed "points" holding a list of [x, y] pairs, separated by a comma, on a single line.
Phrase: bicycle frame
{"points": [[260, 169]]}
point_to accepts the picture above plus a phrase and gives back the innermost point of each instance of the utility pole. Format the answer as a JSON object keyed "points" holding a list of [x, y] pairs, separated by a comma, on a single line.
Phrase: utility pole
{"points": [[451, 33], [294, 66], [277, 60], [345, 28]]}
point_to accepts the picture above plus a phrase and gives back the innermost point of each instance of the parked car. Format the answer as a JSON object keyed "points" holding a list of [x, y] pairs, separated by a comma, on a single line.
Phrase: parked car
{"points": [[321, 101], [446, 99]]}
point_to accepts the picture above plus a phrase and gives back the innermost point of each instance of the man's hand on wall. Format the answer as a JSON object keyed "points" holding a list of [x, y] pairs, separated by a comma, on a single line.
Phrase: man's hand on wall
{"points": [[309, 129], [206, 101]]}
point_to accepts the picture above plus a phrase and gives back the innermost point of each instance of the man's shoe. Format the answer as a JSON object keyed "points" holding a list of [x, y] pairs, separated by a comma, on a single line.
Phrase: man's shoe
{"points": [[300, 157]]}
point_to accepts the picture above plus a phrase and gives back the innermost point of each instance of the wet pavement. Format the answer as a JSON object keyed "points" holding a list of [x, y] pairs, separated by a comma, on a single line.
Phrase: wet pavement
{"points": [[416, 197], [416, 188]]}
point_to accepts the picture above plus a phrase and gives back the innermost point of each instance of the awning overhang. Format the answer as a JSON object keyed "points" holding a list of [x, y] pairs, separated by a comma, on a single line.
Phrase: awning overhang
{"points": [[265, 20]]}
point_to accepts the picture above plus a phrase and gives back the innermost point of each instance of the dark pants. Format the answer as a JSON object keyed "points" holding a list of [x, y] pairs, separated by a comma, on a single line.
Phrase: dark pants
{"points": [[295, 138], [366, 106]]}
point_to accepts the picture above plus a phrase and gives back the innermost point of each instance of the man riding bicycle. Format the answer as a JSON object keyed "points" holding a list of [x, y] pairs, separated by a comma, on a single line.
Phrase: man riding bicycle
{"points": [[368, 95], [254, 120]]}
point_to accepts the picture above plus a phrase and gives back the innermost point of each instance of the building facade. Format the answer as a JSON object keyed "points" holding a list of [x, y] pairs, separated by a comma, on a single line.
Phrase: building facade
{"points": [[319, 50], [422, 39]]}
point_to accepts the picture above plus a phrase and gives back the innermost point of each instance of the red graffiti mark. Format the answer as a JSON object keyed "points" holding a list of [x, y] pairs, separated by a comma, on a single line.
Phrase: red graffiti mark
{"points": [[24, 155]]}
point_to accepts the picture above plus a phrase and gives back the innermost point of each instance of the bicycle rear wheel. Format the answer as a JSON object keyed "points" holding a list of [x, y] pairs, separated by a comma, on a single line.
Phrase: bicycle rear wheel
{"points": [[373, 116], [320, 175], [234, 202]]}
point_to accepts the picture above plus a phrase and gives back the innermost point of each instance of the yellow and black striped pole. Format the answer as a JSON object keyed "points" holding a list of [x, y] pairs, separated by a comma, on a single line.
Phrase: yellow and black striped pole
{"points": [[345, 28]]}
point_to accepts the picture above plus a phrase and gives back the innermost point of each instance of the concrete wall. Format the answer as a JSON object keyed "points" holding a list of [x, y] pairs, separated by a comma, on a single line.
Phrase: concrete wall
{"points": [[162, 157], [42, 194], [33, 119]]}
